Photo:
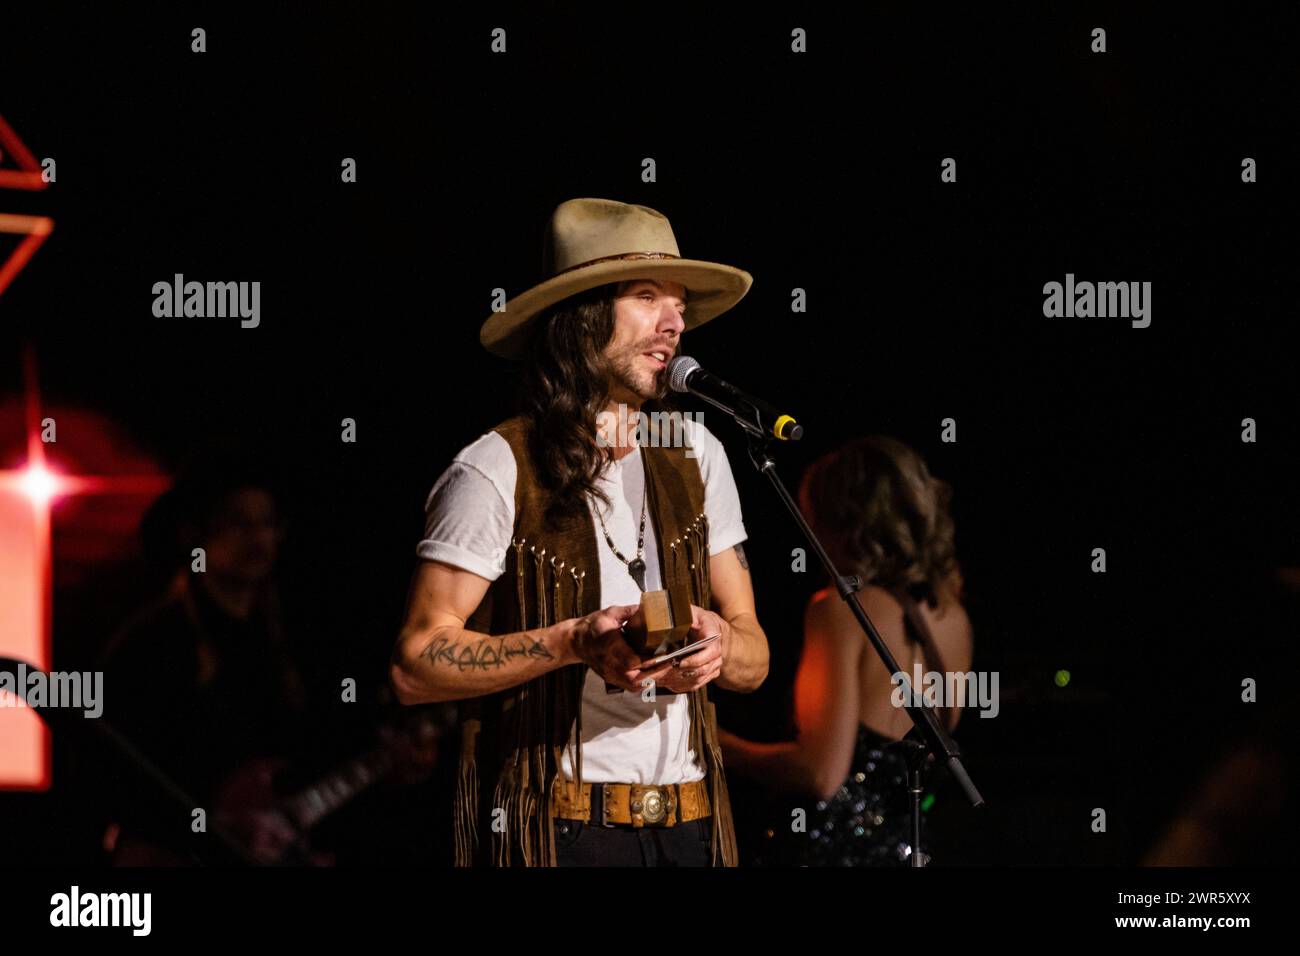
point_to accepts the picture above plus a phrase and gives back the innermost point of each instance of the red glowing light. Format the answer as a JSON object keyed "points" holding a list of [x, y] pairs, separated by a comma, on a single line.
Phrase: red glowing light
{"points": [[40, 484], [27, 497]]}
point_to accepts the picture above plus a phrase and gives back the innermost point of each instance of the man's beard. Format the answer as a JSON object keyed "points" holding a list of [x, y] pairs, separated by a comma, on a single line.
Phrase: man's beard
{"points": [[627, 371]]}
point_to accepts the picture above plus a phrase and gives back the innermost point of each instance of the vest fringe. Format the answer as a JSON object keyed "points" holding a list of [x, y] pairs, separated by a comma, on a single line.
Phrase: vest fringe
{"points": [[465, 817], [704, 722]]}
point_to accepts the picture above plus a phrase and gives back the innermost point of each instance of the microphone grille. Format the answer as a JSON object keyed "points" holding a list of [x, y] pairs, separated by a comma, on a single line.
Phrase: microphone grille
{"points": [[679, 370]]}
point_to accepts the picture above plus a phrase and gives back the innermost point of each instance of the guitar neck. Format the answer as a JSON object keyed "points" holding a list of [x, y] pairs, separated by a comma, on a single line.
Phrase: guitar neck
{"points": [[314, 803]]}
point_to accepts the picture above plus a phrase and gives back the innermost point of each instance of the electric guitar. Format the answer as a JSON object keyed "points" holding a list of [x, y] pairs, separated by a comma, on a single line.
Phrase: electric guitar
{"points": [[272, 828]]}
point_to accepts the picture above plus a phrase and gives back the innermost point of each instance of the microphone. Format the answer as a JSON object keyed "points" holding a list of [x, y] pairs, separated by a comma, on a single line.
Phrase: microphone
{"points": [[755, 416]]}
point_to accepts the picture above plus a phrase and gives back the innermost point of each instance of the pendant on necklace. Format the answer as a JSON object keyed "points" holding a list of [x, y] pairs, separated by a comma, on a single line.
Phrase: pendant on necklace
{"points": [[636, 568]]}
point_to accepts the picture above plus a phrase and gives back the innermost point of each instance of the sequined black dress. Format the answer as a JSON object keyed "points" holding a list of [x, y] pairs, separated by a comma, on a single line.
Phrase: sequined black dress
{"points": [[866, 823], [868, 820]]}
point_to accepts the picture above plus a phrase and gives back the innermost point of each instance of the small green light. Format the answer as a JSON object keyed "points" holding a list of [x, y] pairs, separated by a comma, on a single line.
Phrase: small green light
{"points": [[927, 802], [1062, 678]]}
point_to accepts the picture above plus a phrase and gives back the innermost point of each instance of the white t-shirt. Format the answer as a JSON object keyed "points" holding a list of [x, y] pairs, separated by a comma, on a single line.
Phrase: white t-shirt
{"points": [[470, 521]]}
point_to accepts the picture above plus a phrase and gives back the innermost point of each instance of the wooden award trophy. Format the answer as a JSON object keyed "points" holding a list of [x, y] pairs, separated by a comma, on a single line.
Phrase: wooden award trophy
{"points": [[659, 626]]}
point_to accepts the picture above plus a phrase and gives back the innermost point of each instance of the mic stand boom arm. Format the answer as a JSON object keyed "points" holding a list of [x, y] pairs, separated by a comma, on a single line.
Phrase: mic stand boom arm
{"points": [[748, 418]]}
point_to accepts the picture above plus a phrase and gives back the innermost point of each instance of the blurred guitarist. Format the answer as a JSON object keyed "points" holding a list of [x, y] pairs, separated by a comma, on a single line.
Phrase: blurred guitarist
{"points": [[201, 680]]}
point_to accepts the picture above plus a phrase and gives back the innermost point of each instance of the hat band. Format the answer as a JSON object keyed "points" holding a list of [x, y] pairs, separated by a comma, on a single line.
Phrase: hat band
{"points": [[626, 255]]}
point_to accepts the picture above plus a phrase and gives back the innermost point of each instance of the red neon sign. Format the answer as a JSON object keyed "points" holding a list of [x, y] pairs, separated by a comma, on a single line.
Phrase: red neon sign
{"points": [[28, 175]]}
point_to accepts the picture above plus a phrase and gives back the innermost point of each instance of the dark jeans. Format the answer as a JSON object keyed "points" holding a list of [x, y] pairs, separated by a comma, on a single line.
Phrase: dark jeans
{"points": [[582, 844]]}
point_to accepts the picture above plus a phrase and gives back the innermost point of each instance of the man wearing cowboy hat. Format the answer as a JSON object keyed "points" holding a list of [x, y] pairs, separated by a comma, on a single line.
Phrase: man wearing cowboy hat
{"points": [[541, 537]]}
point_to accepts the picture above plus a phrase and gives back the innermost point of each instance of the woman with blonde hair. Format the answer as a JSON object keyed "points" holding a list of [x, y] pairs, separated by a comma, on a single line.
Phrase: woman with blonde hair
{"points": [[881, 516]]}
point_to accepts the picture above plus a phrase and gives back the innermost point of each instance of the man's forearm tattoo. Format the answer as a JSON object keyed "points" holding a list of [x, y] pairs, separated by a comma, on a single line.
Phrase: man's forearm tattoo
{"points": [[740, 553], [484, 653]]}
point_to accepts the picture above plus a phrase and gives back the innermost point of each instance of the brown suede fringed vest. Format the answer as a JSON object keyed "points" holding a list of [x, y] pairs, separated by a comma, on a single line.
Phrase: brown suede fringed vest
{"points": [[512, 741]]}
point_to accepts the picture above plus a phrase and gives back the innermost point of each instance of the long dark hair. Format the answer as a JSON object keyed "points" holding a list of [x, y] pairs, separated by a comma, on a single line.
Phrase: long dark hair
{"points": [[882, 515], [563, 390], [565, 387]]}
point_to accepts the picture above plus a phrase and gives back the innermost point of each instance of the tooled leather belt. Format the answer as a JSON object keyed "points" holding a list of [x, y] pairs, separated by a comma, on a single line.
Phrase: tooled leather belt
{"points": [[635, 804]]}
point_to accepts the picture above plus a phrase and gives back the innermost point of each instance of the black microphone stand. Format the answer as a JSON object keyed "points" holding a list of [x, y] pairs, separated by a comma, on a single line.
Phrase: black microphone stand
{"points": [[927, 736]]}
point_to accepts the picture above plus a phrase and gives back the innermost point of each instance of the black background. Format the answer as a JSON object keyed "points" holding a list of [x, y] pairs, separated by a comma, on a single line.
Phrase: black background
{"points": [[818, 171]]}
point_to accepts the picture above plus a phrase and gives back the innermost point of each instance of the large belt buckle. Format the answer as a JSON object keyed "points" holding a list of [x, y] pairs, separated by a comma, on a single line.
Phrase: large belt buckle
{"points": [[653, 805]]}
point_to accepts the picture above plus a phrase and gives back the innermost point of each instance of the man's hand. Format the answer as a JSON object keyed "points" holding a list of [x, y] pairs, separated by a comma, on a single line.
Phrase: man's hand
{"points": [[693, 671], [244, 806], [597, 641]]}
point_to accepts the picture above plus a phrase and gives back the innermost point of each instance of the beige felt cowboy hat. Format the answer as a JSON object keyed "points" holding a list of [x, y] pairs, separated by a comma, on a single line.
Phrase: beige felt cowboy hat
{"points": [[594, 241]]}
